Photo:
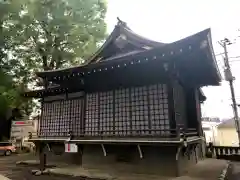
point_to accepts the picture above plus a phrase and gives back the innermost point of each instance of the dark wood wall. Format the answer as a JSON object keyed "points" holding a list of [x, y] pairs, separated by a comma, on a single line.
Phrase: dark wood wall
{"points": [[131, 100], [193, 109]]}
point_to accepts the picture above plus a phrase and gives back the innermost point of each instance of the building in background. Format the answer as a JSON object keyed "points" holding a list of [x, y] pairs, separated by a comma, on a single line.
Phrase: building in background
{"points": [[227, 134], [209, 126]]}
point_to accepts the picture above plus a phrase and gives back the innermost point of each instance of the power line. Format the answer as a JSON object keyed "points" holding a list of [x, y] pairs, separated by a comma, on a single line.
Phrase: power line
{"points": [[234, 57], [235, 60], [219, 54]]}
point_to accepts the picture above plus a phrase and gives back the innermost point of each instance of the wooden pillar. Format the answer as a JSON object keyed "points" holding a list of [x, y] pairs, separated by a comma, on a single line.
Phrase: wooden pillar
{"points": [[196, 152], [198, 111], [177, 166], [42, 156], [171, 106], [171, 109], [194, 110]]}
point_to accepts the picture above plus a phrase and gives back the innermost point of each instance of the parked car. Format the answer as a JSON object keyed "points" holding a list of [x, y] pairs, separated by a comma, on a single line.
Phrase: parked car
{"points": [[7, 148]]}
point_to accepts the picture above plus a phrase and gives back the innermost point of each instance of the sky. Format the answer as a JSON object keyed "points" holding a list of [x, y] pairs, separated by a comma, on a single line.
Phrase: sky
{"points": [[170, 20]]}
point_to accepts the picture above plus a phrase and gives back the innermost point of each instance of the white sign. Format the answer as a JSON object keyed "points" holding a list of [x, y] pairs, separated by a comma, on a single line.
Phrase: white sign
{"points": [[71, 148], [23, 123]]}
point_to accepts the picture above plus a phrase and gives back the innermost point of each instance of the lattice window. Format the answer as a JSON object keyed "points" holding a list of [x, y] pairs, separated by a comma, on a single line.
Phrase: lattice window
{"points": [[137, 111], [91, 117], [158, 101], [54, 121], [139, 102], [106, 113], [76, 116], [61, 118], [65, 124], [122, 112], [45, 118]]}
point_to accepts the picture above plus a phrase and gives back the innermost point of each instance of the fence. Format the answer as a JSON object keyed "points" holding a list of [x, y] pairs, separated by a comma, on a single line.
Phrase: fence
{"points": [[224, 152]]}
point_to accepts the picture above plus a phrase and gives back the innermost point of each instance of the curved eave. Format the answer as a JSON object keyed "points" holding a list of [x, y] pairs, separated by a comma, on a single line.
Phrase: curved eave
{"points": [[196, 50], [43, 92], [138, 41], [92, 59], [33, 94], [53, 91], [52, 74], [147, 42], [214, 61], [110, 38]]}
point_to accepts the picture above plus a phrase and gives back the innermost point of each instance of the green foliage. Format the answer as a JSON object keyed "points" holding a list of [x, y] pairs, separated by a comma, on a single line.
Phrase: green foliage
{"points": [[38, 35], [59, 33], [9, 94]]}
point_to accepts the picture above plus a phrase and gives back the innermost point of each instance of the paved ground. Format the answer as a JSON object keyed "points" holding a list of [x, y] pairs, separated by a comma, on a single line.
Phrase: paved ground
{"points": [[208, 169], [236, 171], [9, 169]]}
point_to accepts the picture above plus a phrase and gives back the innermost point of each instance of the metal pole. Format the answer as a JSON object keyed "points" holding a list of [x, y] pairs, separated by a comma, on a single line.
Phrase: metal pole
{"points": [[230, 79]]}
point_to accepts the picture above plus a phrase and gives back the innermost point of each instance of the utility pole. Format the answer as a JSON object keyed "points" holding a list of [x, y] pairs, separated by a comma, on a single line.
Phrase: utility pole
{"points": [[230, 79]]}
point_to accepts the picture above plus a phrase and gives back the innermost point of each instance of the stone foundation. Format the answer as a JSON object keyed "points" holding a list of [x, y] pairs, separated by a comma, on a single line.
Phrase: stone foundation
{"points": [[57, 155], [156, 160]]}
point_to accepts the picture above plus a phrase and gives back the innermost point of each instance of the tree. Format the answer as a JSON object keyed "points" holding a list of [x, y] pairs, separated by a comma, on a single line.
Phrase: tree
{"points": [[59, 33], [9, 90], [38, 35]]}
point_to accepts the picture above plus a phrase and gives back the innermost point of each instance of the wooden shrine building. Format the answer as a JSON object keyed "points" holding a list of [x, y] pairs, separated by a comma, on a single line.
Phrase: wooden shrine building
{"points": [[134, 105]]}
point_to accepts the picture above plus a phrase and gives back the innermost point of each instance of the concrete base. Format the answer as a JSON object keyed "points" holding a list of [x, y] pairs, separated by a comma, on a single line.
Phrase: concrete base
{"points": [[152, 160], [156, 160], [61, 157]]}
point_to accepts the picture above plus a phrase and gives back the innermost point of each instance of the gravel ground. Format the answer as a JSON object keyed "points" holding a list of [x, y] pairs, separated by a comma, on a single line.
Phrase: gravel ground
{"points": [[9, 169]]}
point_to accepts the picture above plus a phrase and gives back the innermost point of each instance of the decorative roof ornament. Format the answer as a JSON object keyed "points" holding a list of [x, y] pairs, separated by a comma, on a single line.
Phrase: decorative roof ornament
{"points": [[121, 23]]}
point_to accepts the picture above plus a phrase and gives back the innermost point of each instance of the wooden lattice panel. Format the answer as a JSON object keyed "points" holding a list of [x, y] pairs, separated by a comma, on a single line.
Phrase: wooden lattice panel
{"points": [[139, 102], [131, 111], [53, 122], [76, 116], [92, 114], [122, 112], [45, 118], [158, 103], [106, 113], [61, 116], [65, 124]]}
